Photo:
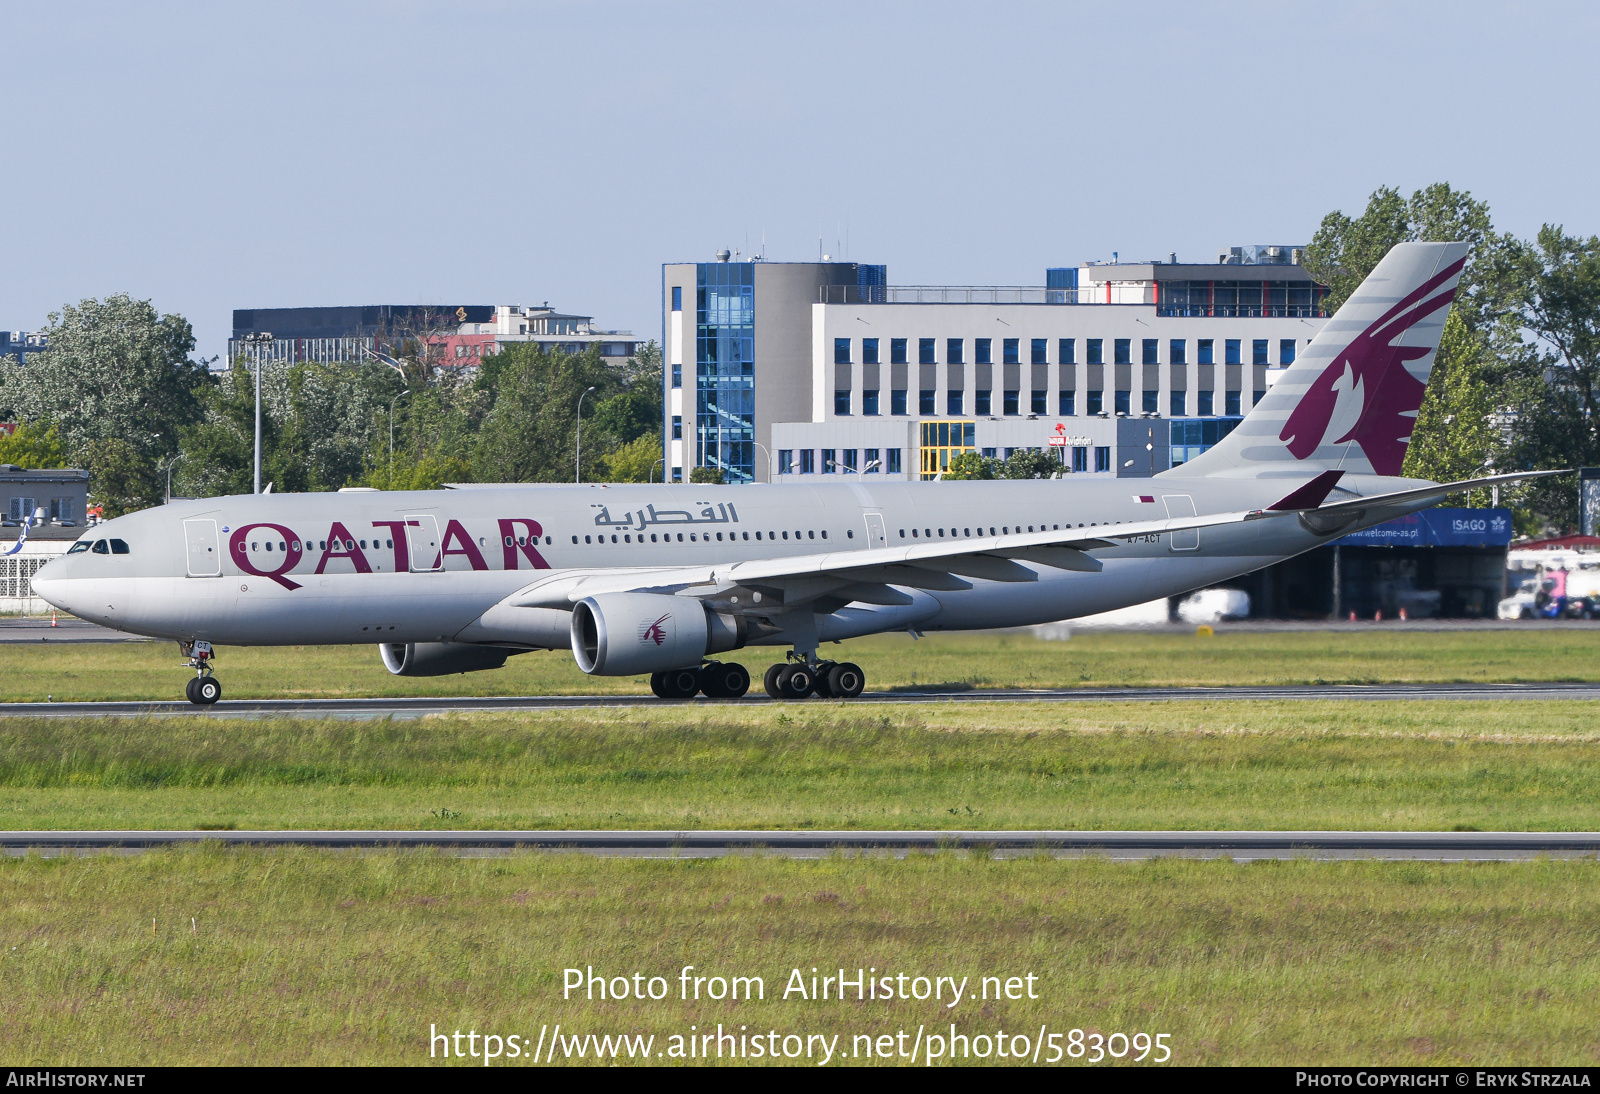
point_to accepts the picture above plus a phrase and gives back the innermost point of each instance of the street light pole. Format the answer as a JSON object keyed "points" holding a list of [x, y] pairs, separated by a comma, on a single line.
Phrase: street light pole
{"points": [[577, 459], [772, 472], [391, 432], [170, 465], [257, 340], [662, 460]]}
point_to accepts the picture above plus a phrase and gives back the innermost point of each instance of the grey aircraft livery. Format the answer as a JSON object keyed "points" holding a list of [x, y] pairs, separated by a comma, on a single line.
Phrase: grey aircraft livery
{"points": [[659, 578]]}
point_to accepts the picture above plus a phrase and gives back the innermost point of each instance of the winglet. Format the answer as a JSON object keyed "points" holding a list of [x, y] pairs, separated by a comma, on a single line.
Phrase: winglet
{"points": [[1311, 495]]}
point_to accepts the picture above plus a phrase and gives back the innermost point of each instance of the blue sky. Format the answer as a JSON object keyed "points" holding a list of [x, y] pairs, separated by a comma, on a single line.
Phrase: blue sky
{"points": [[219, 155]]}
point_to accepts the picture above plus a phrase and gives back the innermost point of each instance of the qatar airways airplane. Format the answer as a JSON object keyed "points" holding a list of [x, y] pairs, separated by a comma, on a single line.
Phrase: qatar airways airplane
{"points": [[656, 579]]}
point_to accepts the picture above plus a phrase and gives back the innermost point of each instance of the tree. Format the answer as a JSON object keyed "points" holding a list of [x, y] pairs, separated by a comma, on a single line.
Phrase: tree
{"points": [[630, 415], [531, 432], [115, 371], [971, 465], [706, 476], [120, 479], [636, 461], [1025, 463], [1555, 383], [33, 445]]}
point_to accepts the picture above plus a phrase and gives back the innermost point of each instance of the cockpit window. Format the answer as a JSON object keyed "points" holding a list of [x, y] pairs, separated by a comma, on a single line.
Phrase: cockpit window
{"points": [[81, 545], [101, 547], [119, 547]]}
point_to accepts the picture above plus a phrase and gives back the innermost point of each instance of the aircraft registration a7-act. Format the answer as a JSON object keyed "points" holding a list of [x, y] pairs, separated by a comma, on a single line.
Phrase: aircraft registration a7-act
{"points": [[657, 579]]}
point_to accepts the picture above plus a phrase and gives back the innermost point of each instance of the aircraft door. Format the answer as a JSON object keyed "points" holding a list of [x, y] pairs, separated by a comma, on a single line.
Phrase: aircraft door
{"points": [[1181, 505], [876, 536], [200, 539], [422, 537]]}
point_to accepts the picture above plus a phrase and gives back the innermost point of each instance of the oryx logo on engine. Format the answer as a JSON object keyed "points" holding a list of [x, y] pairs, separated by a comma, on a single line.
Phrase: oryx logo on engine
{"points": [[654, 632]]}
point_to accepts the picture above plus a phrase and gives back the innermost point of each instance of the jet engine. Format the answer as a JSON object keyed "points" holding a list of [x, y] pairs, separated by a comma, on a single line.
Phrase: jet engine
{"points": [[624, 634], [440, 658]]}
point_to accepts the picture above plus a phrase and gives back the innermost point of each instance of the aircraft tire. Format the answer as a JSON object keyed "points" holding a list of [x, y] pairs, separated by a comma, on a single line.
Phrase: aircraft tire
{"points": [[770, 680], [680, 683], [711, 680], [207, 690], [846, 680], [188, 689], [733, 681], [795, 682], [656, 687], [820, 686]]}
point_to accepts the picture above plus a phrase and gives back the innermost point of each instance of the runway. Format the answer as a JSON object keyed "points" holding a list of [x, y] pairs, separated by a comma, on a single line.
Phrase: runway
{"points": [[1120, 846], [421, 707]]}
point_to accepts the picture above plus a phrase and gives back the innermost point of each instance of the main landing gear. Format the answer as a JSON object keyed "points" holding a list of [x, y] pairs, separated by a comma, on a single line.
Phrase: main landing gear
{"points": [[793, 680], [203, 688], [824, 679], [714, 680]]}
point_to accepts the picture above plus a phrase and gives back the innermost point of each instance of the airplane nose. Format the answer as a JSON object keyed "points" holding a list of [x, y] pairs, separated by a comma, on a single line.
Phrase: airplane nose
{"points": [[50, 587]]}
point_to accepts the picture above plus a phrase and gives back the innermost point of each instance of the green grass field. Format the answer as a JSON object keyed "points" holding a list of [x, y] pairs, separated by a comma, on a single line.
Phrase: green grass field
{"points": [[327, 958], [151, 670], [1194, 765], [211, 955]]}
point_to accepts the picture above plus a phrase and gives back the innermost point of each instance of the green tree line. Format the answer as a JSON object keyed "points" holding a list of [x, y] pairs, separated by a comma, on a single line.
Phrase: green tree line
{"points": [[120, 392]]}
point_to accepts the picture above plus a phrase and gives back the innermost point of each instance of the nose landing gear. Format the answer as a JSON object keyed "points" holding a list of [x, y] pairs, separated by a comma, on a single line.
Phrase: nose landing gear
{"points": [[204, 688]]}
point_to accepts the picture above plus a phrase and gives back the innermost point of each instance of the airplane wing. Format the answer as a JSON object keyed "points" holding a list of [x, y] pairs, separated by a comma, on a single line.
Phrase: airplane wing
{"points": [[869, 571], [878, 576]]}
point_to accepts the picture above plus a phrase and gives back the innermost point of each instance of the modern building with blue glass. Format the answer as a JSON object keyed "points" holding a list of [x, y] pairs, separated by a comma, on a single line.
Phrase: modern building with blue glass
{"points": [[798, 371]]}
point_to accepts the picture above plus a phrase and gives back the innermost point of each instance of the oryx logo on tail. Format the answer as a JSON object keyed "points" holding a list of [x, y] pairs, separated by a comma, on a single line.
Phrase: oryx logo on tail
{"points": [[654, 632], [1367, 395]]}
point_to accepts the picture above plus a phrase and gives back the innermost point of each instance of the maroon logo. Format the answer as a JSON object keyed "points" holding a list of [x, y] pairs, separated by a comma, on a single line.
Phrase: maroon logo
{"points": [[654, 632], [1371, 373], [286, 548]]}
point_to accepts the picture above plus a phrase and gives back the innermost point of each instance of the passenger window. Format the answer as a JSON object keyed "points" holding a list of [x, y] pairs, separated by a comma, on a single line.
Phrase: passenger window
{"points": [[508, 539], [824, 533]]}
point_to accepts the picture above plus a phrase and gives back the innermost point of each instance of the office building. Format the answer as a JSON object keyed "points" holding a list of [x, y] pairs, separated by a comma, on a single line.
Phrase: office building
{"points": [[783, 371], [464, 332], [20, 343]]}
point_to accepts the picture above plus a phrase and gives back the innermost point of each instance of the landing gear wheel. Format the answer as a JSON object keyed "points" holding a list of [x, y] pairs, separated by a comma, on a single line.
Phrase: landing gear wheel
{"points": [[845, 680], [719, 681], [770, 680], [819, 673], [207, 690], [188, 689], [656, 685], [680, 683], [795, 682]]}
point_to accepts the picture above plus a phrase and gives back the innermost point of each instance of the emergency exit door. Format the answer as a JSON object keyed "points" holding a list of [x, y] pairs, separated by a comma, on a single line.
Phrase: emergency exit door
{"points": [[1181, 505], [200, 541], [422, 537]]}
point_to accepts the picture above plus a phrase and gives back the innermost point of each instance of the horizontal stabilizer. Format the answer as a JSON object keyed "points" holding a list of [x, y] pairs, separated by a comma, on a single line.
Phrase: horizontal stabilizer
{"points": [[1311, 495]]}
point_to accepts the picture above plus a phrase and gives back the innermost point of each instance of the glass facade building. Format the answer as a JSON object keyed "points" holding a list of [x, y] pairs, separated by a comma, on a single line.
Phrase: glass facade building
{"points": [[725, 379]]}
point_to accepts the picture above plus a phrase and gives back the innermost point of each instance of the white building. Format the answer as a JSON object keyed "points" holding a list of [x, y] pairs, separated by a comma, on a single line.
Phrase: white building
{"points": [[783, 371]]}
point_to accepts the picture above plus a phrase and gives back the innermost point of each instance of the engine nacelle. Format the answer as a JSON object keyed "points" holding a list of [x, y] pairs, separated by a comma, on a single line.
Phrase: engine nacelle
{"points": [[624, 634], [440, 658]]}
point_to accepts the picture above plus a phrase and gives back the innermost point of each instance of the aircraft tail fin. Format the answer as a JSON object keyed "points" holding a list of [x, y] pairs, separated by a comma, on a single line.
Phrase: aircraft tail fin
{"points": [[1350, 400]]}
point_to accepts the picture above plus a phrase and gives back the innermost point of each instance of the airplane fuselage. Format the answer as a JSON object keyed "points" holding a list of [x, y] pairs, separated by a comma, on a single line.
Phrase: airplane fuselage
{"points": [[379, 567]]}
